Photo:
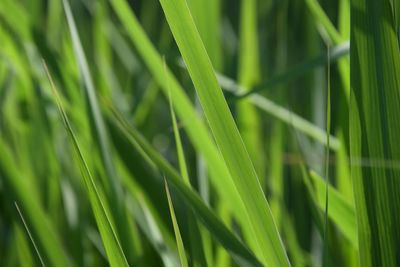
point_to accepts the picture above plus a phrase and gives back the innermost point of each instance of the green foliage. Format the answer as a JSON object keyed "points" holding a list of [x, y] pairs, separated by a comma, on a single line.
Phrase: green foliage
{"points": [[375, 68], [199, 133]]}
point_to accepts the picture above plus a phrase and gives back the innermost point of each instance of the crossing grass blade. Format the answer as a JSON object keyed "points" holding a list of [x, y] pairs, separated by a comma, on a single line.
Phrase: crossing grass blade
{"points": [[338, 52], [101, 212], [225, 132], [270, 59], [219, 231], [321, 18], [193, 125], [374, 129], [281, 113]]}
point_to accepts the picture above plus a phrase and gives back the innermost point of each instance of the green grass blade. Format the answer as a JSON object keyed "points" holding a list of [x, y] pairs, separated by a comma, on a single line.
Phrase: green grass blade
{"points": [[320, 16], [196, 241], [113, 189], [337, 52], [248, 119], [108, 234], [344, 29], [341, 212], [206, 15], [30, 235], [194, 127], [225, 132], [374, 130], [179, 147], [179, 242], [207, 217], [281, 113], [327, 154], [42, 229], [93, 103], [26, 259]]}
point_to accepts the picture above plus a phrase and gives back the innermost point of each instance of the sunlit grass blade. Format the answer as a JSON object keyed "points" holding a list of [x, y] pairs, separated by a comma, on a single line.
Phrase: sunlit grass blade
{"points": [[193, 125], [374, 130], [206, 15], [344, 30], [111, 243], [179, 242], [225, 132]]}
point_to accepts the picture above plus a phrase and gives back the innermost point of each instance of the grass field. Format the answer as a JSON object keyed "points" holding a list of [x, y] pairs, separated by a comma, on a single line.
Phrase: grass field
{"points": [[199, 133]]}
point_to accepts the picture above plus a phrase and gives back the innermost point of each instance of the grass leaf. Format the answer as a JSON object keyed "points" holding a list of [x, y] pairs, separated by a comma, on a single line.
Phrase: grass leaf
{"points": [[111, 243], [341, 212], [225, 132], [374, 129], [239, 251], [179, 242], [29, 234]]}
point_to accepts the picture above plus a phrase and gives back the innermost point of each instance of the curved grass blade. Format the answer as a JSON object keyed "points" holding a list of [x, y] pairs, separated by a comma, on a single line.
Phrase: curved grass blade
{"points": [[225, 132], [111, 243]]}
